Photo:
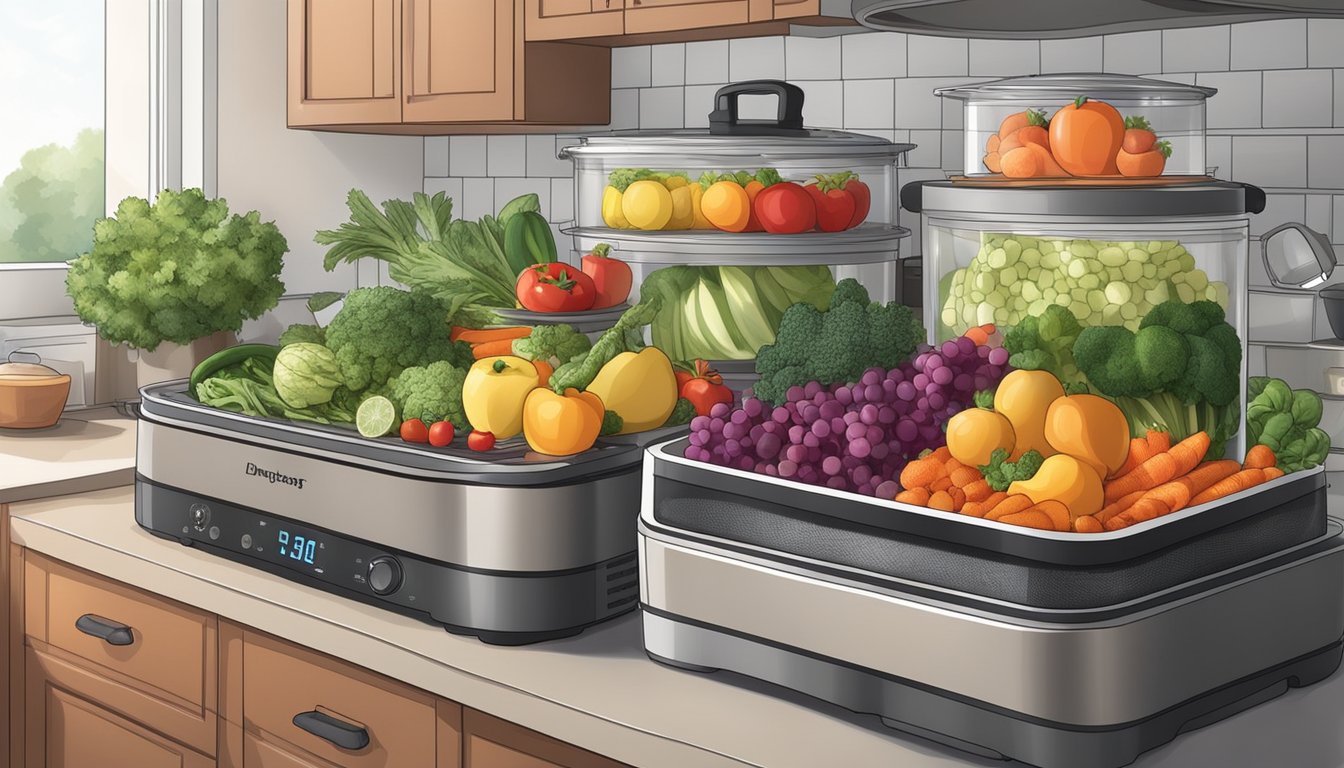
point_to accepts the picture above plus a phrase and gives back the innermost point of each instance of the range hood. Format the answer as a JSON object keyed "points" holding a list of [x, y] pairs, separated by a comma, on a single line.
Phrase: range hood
{"points": [[1047, 19]]}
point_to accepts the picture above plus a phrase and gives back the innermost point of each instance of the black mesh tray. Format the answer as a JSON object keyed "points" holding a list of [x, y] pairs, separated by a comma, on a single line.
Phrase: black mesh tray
{"points": [[945, 548]]}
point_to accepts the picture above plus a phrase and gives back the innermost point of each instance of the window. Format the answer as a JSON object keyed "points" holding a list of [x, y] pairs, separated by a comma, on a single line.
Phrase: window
{"points": [[51, 156]]}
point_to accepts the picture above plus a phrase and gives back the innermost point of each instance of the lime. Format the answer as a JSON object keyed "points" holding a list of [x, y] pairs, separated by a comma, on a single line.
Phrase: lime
{"points": [[375, 416]]}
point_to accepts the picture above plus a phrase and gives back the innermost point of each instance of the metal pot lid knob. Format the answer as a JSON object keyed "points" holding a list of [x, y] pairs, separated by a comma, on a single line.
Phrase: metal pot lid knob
{"points": [[724, 120], [1297, 256]]}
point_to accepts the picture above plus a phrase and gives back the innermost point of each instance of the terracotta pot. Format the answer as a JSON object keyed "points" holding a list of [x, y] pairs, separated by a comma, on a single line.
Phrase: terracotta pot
{"points": [[176, 361], [32, 395]]}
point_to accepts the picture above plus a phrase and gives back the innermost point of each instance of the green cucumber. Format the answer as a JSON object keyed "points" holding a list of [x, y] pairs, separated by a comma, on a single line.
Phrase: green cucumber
{"points": [[227, 358], [528, 241]]}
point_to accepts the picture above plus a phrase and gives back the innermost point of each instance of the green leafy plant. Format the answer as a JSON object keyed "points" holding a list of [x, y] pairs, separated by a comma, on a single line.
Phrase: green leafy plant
{"points": [[176, 270]]}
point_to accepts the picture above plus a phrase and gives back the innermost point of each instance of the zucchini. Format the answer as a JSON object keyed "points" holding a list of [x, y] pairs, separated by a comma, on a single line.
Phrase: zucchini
{"points": [[227, 358], [528, 241]]}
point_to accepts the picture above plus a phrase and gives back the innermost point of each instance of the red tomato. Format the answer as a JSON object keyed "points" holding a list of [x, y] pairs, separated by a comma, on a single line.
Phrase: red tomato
{"points": [[863, 199], [1138, 140], [611, 277], [414, 431], [440, 433], [555, 287], [835, 208], [682, 377], [785, 209], [705, 389], [480, 441]]}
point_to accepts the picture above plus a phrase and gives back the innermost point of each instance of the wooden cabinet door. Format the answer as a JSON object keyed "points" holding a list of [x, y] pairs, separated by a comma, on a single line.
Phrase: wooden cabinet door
{"points": [[488, 742], [344, 62], [263, 752], [672, 15], [66, 730], [462, 60], [792, 9], [571, 19]]}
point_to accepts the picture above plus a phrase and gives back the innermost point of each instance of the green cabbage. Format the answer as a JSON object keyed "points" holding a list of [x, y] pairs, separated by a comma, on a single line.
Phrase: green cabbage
{"points": [[306, 374]]}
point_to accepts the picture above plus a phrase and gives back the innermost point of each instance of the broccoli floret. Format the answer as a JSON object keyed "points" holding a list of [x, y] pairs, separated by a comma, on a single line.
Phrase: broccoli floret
{"points": [[1000, 472], [1161, 354], [1106, 355], [380, 331], [431, 393], [682, 413], [850, 289], [557, 344], [1045, 343], [300, 333], [1195, 318], [612, 423]]}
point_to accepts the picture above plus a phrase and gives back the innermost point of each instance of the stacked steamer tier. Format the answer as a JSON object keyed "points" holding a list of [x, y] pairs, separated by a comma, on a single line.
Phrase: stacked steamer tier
{"points": [[1080, 646], [726, 290]]}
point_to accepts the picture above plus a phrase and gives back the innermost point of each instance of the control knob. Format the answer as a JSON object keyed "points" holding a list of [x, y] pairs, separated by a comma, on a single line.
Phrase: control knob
{"points": [[384, 575]]}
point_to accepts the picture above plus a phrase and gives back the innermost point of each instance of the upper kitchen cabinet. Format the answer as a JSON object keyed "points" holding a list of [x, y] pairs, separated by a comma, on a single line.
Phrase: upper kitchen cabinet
{"points": [[441, 66], [571, 19], [673, 15]]}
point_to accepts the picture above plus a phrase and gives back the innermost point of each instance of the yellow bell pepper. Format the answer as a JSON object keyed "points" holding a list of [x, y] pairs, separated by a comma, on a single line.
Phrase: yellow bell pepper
{"points": [[647, 205], [561, 425], [683, 208], [612, 214], [494, 392], [639, 386], [698, 220]]}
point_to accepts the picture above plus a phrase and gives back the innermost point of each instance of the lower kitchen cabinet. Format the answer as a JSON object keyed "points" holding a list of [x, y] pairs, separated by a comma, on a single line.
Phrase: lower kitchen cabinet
{"points": [[489, 742]]}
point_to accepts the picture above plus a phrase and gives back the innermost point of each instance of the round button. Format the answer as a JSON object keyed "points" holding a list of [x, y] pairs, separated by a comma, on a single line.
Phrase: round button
{"points": [[384, 575], [246, 541], [214, 532], [200, 516]]}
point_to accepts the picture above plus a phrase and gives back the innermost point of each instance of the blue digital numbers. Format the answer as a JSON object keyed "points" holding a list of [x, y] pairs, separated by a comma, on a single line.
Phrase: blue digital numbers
{"points": [[296, 547]]}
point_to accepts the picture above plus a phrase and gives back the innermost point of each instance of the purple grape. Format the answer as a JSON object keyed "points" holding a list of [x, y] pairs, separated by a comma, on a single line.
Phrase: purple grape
{"points": [[796, 433], [716, 424], [866, 489], [772, 470], [745, 463], [868, 414], [780, 415], [861, 474], [886, 415], [788, 468], [964, 382], [934, 362], [856, 430], [719, 410], [700, 422], [794, 393], [921, 381], [739, 417], [838, 425], [831, 409], [870, 377], [810, 413], [844, 396], [795, 453], [753, 408], [810, 440], [838, 483], [906, 430], [937, 401], [732, 448], [923, 404], [942, 376], [998, 356], [873, 393], [821, 428], [860, 447], [703, 435]]}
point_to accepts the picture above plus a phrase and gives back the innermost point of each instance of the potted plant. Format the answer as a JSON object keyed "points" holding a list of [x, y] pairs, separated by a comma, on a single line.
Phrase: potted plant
{"points": [[174, 280]]}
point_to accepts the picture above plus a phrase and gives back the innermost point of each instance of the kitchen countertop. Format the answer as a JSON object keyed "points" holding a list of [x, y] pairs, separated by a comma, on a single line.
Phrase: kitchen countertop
{"points": [[86, 450], [599, 691]]}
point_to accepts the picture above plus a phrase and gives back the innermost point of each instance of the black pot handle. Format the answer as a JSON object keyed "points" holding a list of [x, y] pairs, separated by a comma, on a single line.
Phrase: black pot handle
{"points": [[1255, 198], [347, 736], [106, 630], [724, 120], [912, 196]]}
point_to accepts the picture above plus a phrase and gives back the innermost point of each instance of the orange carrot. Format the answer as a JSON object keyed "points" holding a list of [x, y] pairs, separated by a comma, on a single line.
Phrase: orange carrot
{"points": [[492, 348], [978, 490], [941, 455], [474, 336], [1143, 510], [921, 473], [916, 496], [958, 498], [1161, 468], [1260, 457], [1031, 518], [941, 500], [1273, 473], [1240, 481], [1118, 506], [964, 476], [1057, 511], [1011, 505], [1202, 477], [1159, 440], [977, 335], [1086, 524], [941, 484], [979, 508], [544, 371], [1143, 448]]}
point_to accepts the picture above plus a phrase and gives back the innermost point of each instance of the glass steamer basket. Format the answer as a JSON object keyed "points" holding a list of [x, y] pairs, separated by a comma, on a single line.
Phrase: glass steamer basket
{"points": [[733, 286]]}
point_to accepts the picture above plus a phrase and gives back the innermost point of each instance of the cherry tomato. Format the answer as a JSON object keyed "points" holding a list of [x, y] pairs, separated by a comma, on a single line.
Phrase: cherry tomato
{"points": [[555, 287], [785, 209], [414, 431], [480, 441], [705, 389], [440, 433]]}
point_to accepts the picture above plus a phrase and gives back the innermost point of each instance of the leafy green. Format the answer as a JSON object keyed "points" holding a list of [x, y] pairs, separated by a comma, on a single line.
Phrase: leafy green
{"points": [[521, 204], [556, 344], [248, 388], [382, 330], [623, 336], [302, 332], [1000, 472], [612, 423], [682, 413], [177, 270], [306, 374], [1286, 421]]}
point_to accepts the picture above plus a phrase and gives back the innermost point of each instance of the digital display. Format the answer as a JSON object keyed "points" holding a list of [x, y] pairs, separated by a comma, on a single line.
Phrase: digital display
{"points": [[296, 547]]}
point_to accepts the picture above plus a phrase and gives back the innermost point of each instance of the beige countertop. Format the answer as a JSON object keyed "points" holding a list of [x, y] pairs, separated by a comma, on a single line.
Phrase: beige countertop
{"points": [[599, 690], [86, 450]]}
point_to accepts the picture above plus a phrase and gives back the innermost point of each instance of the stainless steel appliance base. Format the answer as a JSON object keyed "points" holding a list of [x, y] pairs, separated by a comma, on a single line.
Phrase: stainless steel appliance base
{"points": [[959, 723]]}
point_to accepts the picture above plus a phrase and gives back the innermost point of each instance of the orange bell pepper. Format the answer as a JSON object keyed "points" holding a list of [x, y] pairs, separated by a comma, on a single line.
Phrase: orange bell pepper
{"points": [[561, 425]]}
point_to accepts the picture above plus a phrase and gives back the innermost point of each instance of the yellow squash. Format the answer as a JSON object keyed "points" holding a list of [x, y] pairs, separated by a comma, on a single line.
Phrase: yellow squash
{"points": [[1070, 481], [975, 433], [1024, 397], [698, 216], [612, 212], [683, 210], [1091, 428], [647, 205], [639, 386], [561, 425], [494, 392]]}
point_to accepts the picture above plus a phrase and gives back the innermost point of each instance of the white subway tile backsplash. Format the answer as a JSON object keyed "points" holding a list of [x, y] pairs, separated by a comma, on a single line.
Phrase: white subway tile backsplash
{"points": [[506, 155], [918, 107], [542, 160], [451, 188], [1004, 58], [436, 155], [1295, 98], [1196, 49], [1082, 54], [823, 103], [874, 54], [1238, 101], [1320, 214], [933, 56], [756, 58], [624, 108], [954, 150], [1271, 161], [662, 107], [562, 200], [478, 199], [508, 189], [1278, 44], [631, 67], [928, 151], [466, 156], [700, 101], [1279, 209], [812, 58], [1325, 155], [1337, 230], [669, 64], [869, 104], [1325, 42], [707, 62], [1132, 53], [1218, 154]]}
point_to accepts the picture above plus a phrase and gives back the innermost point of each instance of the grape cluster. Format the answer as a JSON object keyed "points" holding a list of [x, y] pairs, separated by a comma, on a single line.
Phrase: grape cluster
{"points": [[851, 437]]}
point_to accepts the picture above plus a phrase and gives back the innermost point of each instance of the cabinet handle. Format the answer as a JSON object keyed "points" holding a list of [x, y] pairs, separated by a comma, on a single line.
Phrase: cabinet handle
{"points": [[344, 735], [106, 630]]}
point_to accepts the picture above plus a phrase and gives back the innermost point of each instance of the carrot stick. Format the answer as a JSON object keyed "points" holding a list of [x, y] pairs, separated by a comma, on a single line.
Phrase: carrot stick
{"points": [[1057, 511], [1086, 524], [941, 500], [1240, 481], [1138, 453], [941, 484], [1203, 476], [474, 336], [941, 455], [1118, 506], [1031, 518], [1018, 502], [978, 490], [1159, 440], [979, 508], [1143, 510], [916, 496], [958, 498], [544, 371], [1161, 468], [977, 335], [921, 473], [963, 476], [1260, 457], [1273, 473], [492, 348]]}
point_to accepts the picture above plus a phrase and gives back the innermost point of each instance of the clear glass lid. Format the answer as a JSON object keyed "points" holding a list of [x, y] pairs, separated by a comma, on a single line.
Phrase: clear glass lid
{"points": [[1122, 88]]}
